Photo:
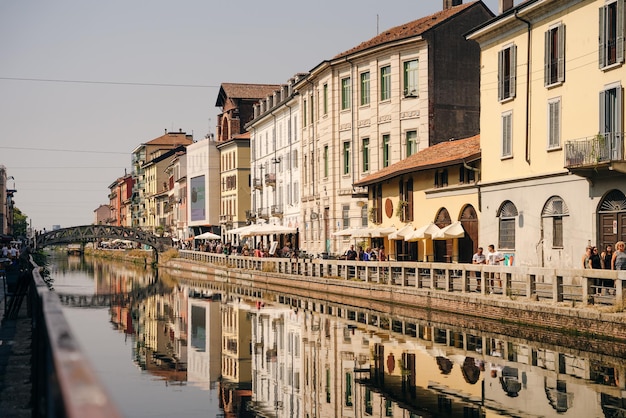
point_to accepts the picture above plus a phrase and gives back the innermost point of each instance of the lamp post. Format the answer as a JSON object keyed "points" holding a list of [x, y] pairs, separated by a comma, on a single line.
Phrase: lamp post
{"points": [[10, 191]]}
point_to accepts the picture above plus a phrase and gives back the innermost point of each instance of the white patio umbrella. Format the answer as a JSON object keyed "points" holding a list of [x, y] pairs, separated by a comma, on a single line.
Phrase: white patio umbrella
{"points": [[454, 230], [267, 229], [402, 232], [207, 235], [423, 232], [383, 231]]}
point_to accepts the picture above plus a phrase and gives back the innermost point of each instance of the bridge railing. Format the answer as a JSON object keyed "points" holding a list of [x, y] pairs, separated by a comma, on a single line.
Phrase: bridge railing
{"points": [[64, 382], [602, 287]]}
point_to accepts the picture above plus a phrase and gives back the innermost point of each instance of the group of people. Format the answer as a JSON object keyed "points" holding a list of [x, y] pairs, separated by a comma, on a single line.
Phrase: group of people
{"points": [[493, 258], [369, 254], [10, 251], [609, 259]]}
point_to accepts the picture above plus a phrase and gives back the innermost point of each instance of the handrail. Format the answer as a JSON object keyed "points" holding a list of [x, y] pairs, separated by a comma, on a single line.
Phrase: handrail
{"points": [[602, 287], [64, 382]]}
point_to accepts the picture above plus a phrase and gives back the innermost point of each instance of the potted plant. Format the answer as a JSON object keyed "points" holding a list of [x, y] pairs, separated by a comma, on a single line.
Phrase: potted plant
{"points": [[400, 210]]}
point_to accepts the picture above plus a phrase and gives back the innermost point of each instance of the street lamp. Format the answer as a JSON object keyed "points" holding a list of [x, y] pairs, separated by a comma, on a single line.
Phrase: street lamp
{"points": [[10, 192]]}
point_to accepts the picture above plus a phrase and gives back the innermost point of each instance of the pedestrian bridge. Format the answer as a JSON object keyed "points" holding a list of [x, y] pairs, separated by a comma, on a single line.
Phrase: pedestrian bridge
{"points": [[93, 233]]}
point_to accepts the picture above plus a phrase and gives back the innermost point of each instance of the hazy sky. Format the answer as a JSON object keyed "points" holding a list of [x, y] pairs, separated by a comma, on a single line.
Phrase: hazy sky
{"points": [[82, 83]]}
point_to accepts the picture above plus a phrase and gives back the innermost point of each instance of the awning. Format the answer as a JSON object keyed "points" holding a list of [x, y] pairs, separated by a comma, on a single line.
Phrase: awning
{"points": [[402, 232], [348, 232], [207, 235], [454, 230], [426, 231], [267, 229], [383, 231], [237, 231]]}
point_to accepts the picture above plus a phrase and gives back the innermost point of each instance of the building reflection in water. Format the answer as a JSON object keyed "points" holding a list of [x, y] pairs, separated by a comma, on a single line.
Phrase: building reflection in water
{"points": [[282, 357]]}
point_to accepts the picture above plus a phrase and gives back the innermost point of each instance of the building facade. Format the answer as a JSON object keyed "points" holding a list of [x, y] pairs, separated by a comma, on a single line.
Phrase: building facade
{"points": [[410, 87], [274, 155], [236, 102], [203, 191], [552, 130]]}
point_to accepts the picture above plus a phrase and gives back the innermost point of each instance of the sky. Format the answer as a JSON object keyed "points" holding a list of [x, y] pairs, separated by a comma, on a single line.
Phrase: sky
{"points": [[83, 83]]}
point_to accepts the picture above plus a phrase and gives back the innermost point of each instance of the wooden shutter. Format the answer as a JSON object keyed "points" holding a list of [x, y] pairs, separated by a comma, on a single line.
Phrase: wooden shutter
{"points": [[602, 37], [560, 71], [501, 74], [619, 40], [546, 60], [513, 80]]}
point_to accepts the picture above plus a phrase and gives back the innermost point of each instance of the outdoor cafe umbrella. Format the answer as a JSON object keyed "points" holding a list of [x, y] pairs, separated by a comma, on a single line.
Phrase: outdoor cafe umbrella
{"points": [[267, 229], [454, 230], [207, 235], [426, 231], [402, 232]]}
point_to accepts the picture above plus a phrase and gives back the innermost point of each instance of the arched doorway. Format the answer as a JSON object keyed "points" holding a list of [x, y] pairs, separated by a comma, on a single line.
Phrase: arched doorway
{"points": [[442, 248], [612, 218], [468, 244]]}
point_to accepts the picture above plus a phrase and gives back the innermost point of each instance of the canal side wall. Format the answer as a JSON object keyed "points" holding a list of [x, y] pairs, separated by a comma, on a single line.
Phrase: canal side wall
{"points": [[395, 300]]}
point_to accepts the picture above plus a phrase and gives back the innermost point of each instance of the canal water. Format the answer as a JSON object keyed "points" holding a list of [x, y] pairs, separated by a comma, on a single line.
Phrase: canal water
{"points": [[181, 346]]}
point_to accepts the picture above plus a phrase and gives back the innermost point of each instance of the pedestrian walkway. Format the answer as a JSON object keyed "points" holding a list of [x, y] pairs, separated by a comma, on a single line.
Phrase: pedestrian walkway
{"points": [[15, 363]]}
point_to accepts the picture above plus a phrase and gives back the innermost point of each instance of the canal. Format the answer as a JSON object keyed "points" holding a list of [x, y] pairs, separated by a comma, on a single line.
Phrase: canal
{"points": [[180, 346]]}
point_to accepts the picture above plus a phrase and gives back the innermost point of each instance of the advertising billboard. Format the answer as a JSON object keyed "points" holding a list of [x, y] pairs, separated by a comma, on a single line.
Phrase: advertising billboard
{"points": [[198, 199]]}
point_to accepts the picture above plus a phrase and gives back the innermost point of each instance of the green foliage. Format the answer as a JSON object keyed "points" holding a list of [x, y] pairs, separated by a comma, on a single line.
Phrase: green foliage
{"points": [[19, 222]]}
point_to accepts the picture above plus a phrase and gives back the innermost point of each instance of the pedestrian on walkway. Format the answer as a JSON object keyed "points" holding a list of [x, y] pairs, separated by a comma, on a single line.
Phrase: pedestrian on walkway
{"points": [[606, 257], [494, 258], [478, 258], [619, 257]]}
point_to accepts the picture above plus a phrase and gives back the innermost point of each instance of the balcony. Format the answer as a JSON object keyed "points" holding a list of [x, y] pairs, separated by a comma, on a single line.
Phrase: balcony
{"points": [[596, 155], [263, 213], [270, 179], [257, 184], [251, 215], [226, 219], [277, 211]]}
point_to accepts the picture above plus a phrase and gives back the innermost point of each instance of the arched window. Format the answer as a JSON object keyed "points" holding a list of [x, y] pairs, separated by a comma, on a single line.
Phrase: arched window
{"points": [[506, 232], [556, 209]]}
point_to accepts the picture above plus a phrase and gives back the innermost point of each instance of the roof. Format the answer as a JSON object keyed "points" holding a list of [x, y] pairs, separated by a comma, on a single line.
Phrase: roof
{"points": [[410, 29], [244, 91], [171, 138], [439, 155]]}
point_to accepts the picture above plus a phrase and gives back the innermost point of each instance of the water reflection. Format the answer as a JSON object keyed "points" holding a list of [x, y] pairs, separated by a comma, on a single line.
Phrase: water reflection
{"points": [[277, 356]]}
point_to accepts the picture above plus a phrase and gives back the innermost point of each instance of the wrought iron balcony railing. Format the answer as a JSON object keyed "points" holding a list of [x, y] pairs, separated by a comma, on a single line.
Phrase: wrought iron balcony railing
{"points": [[270, 179], [592, 151]]}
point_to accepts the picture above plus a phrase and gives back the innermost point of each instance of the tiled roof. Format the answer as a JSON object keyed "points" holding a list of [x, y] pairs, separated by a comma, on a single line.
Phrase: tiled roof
{"points": [[172, 138], [248, 91], [440, 155], [408, 30]]}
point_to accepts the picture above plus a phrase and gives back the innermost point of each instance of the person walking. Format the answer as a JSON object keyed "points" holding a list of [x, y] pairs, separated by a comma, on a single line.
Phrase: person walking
{"points": [[478, 258], [587, 257]]}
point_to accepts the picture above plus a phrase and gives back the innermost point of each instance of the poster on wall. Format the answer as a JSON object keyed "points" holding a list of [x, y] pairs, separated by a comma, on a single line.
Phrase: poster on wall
{"points": [[509, 258], [198, 199]]}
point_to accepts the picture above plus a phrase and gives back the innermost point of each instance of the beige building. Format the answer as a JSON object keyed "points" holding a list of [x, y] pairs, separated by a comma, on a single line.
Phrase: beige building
{"points": [[433, 189], [233, 142], [145, 184], [551, 128], [378, 103]]}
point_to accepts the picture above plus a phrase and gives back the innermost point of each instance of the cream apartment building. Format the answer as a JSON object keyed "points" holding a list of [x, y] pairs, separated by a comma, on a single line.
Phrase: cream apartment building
{"points": [[203, 187], [379, 103], [551, 126], [274, 160]]}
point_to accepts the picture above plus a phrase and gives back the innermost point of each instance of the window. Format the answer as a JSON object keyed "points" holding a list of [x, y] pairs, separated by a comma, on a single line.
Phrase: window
{"points": [[386, 150], [366, 154], [311, 109], [346, 158], [410, 78], [345, 215], [345, 93], [385, 83], [554, 65], [364, 215], [467, 174], [507, 70], [325, 99], [365, 88], [304, 112], [406, 196], [411, 143], [377, 201], [325, 161], [441, 178], [611, 48], [507, 135], [611, 122], [555, 209], [554, 123], [506, 232]]}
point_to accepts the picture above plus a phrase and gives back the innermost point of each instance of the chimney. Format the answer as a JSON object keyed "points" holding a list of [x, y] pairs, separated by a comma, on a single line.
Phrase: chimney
{"points": [[451, 3], [505, 5]]}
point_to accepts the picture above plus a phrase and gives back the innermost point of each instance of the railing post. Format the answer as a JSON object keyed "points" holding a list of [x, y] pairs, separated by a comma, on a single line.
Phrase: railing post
{"points": [[531, 285], [557, 289]]}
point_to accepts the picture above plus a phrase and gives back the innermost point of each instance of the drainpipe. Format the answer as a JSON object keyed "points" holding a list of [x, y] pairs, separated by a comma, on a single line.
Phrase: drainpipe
{"points": [[528, 67]]}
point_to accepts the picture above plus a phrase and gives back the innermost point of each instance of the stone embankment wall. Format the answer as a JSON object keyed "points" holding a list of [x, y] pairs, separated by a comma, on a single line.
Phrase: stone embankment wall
{"points": [[580, 320]]}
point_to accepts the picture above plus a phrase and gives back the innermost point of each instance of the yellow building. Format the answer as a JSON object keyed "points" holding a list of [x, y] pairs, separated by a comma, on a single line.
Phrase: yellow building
{"points": [[420, 195], [551, 129]]}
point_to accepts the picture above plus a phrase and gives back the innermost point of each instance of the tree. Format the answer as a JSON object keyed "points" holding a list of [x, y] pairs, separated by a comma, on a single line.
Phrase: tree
{"points": [[19, 222]]}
